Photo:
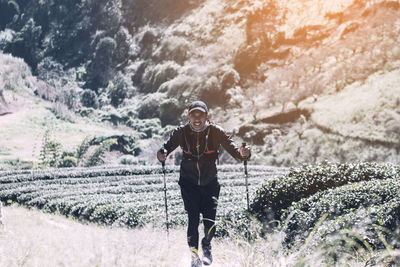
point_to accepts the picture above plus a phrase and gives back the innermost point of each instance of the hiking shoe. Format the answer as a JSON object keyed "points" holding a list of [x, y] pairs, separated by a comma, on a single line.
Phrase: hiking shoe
{"points": [[196, 261], [207, 257]]}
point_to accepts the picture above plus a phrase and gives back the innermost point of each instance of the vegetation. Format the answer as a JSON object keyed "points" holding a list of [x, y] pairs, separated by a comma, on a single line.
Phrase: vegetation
{"points": [[300, 84], [112, 195], [280, 78], [276, 195], [342, 210], [328, 204]]}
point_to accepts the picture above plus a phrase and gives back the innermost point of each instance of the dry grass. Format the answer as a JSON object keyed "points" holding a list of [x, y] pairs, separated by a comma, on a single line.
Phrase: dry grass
{"points": [[34, 238]]}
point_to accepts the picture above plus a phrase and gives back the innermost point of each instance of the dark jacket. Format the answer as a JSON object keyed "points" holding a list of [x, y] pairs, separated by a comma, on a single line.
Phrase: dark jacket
{"points": [[200, 151]]}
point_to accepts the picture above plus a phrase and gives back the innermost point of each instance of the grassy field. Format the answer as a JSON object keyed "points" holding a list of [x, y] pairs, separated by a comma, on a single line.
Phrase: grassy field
{"points": [[33, 238], [315, 215]]}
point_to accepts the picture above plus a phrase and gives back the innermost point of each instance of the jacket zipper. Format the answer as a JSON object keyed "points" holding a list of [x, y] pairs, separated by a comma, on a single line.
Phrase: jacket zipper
{"points": [[198, 168], [198, 151]]}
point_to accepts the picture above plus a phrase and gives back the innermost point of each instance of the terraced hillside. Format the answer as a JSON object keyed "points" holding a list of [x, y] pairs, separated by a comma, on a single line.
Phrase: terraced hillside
{"points": [[127, 196]]}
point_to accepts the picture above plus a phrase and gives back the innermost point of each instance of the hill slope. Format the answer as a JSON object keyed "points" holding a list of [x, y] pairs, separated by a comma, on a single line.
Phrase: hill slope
{"points": [[258, 64]]}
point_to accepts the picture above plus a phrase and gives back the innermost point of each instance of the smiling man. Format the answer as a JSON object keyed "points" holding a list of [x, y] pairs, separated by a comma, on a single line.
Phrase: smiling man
{"points": [[199, 139]]}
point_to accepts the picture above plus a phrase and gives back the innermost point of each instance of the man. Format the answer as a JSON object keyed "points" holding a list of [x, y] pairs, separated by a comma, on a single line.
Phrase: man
{"points": [[199, 139]]}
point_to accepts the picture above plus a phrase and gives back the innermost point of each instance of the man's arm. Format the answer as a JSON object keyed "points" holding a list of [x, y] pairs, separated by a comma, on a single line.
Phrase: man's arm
{"points": [[229, 145], [171, 144]]}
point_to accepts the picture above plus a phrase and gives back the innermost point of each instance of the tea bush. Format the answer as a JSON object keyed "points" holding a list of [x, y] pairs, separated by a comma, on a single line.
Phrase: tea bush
{"points": [[302, 216], [126, 195], [278, 194]]}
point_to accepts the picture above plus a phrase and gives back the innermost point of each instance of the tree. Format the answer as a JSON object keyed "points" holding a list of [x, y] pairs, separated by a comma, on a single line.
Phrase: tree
{"points": [[26, 43], [101, 68], [50, 153], [89, 99], [117, 90], [124, 43]]}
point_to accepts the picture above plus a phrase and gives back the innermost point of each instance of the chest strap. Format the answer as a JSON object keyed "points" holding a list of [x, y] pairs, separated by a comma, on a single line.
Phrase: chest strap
{"points": [[206, 151]]}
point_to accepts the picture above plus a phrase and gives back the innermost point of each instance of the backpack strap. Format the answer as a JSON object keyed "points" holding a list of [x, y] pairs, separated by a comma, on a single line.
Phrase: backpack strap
{"points": [[206, 151], [186, 143]]}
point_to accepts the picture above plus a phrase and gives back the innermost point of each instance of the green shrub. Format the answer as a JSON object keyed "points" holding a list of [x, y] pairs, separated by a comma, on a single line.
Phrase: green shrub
{"points": [[365, 222], [104, 51], [229, 79], [105, 214], [156, 75], [50, 151], [89, 99], [150, 106], [119, 89], [180, 87], [302, 216], [131, 160], [62, 112], [278, 194], [86, 112], [127, 144], [83, 148], [138, 69], [96, 158], [124, 42], [111, 115], [211, 92], [174, 48], [148, 128], [101, 69], [26, 42], [170, 112], [68, 162], [50, 71]]}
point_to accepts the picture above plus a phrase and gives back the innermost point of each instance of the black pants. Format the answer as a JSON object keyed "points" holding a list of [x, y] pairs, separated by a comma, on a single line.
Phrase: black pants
{"points": [[204, 200]]}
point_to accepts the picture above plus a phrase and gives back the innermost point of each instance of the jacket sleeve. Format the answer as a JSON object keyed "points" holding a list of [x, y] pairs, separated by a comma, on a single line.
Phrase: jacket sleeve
{"points": [[174, 140], [228, 144]]}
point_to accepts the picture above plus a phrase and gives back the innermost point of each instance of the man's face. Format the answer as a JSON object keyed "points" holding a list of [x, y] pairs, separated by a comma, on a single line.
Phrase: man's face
{"points": [[198, 119]]}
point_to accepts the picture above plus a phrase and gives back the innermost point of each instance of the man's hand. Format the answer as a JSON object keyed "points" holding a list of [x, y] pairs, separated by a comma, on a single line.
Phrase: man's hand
{"points": [[245, 152], [162, 155]]}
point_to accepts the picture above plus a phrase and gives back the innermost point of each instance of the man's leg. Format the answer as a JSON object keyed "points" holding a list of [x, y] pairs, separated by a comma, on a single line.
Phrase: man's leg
{"points": [[209, 224], [191, 200], [209, 211], [192, 230]]}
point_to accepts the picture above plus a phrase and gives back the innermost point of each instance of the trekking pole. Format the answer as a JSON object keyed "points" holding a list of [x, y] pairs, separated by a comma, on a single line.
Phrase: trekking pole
{"points": [[246, 178], [165, 195]]}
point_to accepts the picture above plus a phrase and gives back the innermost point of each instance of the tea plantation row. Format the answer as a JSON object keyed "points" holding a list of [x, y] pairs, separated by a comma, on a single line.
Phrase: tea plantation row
{"points": [[332, 202], [126, 196], [316, 205]]}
